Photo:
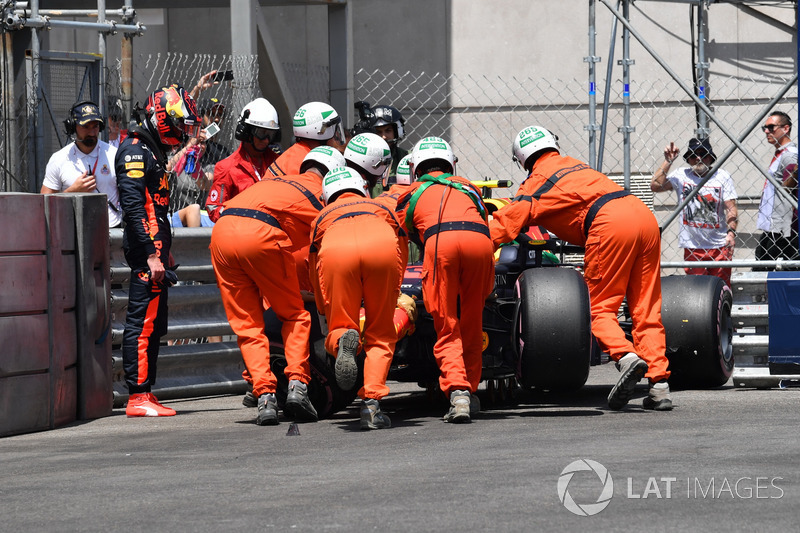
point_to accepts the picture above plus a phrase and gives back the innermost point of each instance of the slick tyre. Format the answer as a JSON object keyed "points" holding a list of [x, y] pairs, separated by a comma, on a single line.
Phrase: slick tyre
{"points": [[552, 329], [696, 312]]}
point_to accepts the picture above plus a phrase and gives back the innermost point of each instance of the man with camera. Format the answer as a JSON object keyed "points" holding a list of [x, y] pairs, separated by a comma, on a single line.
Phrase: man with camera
{"points": [[87, 164], [388, 123]]}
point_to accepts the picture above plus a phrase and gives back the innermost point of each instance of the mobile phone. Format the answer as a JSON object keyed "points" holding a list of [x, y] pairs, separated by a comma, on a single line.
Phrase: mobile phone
{"points": [[211, 130], [223, 75]]}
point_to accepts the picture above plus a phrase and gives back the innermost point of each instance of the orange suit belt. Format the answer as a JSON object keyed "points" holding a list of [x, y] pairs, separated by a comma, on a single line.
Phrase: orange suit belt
{"points": [[252, 213], [456, 226], [600, 202]]}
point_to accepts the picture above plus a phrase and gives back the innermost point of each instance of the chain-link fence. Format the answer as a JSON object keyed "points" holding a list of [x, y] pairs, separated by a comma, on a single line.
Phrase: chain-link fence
{"points": [[480, 115], [63, 84]]}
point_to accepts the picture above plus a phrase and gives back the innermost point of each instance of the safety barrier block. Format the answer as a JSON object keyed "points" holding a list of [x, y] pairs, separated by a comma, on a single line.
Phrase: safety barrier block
{"points": [[784, 320]]}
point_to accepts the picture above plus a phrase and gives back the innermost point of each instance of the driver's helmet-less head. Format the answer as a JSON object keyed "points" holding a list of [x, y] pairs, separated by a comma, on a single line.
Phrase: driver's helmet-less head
{"points": [[369, 153], [531, 141], [323, 158], [432, 152], [343, 179], [319, 122], [172, 113]]}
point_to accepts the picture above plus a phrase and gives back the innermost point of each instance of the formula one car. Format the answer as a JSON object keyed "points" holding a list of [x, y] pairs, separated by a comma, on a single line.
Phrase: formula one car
{"points": [[537, 329]]}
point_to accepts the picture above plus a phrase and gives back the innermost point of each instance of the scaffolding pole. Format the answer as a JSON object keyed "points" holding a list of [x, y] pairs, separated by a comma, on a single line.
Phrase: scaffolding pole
{"points": [[689, 92], [626, 128], [592, 59]]}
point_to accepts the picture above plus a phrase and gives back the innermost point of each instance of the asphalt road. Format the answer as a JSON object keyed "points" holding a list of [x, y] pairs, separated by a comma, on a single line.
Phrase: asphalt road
{"points": [[722, 460]]}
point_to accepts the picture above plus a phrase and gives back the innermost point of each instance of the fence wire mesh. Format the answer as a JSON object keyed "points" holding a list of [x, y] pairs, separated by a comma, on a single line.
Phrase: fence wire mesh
{"points": [[479, 115], [162, 69]]}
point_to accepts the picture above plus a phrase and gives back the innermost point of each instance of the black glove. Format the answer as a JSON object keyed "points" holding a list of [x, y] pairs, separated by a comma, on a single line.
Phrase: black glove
{"points": [[170, 276]]}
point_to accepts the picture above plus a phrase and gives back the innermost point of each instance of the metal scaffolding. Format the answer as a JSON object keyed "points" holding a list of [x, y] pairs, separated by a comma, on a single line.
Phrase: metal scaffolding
{"points": [[698, 96]]}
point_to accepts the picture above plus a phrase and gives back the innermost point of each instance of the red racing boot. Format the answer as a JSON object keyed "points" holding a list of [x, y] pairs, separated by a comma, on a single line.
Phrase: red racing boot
{"points": [[146, 404]]}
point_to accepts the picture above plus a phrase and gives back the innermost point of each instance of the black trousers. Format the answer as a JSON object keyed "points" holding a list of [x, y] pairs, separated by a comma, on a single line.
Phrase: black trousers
{"points": [[774, 246], [145, 324]]}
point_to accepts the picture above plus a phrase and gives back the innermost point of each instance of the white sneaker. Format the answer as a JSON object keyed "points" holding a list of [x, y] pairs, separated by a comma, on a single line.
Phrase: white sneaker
{"points": [[658, 398], [459, 407], [633, 369]]}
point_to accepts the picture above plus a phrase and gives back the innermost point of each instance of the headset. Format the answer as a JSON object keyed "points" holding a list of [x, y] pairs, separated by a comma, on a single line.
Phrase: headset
{"points": [[70, 122], [243, 131]]}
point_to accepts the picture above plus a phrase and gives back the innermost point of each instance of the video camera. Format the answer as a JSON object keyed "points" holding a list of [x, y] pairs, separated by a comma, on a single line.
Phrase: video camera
{"points": [[367, 119]]}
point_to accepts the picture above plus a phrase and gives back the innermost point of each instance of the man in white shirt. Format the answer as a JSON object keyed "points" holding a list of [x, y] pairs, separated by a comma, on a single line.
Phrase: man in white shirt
{"points": [[87, 164], [777, 217], [709, 221]]}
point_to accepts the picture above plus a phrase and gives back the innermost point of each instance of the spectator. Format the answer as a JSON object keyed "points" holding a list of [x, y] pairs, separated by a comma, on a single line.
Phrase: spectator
{"points": [[447, 213], [623, 255], [314, 124], [87, 163], [710, 219], [777, 217], [194, 169], [205, 82], [144, 194], [212, 111], [116, 133], [357, 253]]}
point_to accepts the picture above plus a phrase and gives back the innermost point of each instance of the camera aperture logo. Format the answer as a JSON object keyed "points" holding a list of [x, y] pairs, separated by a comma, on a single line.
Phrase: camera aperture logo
{"points": [[605, 489]]}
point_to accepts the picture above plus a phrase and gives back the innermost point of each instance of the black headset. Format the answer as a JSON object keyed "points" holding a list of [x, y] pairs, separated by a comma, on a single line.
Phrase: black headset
{"points": [[70, 122], [243, 132]]}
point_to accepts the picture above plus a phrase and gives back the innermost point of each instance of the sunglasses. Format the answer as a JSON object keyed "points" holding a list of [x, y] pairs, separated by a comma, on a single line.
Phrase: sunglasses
{"points": [[263, 133], [771, 127]]}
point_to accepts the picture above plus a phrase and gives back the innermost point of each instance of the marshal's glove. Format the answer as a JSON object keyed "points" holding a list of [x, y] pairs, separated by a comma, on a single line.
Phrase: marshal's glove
{"points": [[409, 305]]}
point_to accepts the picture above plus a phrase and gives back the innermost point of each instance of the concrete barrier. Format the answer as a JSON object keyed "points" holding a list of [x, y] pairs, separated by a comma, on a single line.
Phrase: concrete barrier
{"points": [[52, 372]]}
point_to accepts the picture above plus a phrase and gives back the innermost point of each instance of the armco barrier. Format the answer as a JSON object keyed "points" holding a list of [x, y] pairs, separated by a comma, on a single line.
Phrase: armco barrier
{"points": [[188, 368], [54, 364]]}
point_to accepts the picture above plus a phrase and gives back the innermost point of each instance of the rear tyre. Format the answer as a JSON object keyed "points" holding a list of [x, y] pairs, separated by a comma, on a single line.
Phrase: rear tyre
{"points": [[696, 312], [552, 329]]}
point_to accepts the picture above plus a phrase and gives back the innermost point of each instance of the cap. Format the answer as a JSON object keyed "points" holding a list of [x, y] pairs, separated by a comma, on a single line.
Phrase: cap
{"points": [[700, 148], [86, 113], [210, 106]]}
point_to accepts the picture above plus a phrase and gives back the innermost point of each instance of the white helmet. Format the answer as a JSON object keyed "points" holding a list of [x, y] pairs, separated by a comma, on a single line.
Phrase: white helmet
{"points": [[326, 156], [429, 149], [529, 141], [259, 119], [317, 121], [343, 179], [370, 153], [403, 173]]}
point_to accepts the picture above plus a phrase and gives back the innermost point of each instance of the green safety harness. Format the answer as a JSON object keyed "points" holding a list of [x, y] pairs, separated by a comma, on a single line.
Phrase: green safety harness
{"points": [[428, 180]]}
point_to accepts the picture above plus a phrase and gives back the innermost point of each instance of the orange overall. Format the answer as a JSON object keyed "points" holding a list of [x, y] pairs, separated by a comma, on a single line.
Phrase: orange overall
{"points": [[457, 274], [288, 163], [359, 253], [252, 248], [623, 249]]}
